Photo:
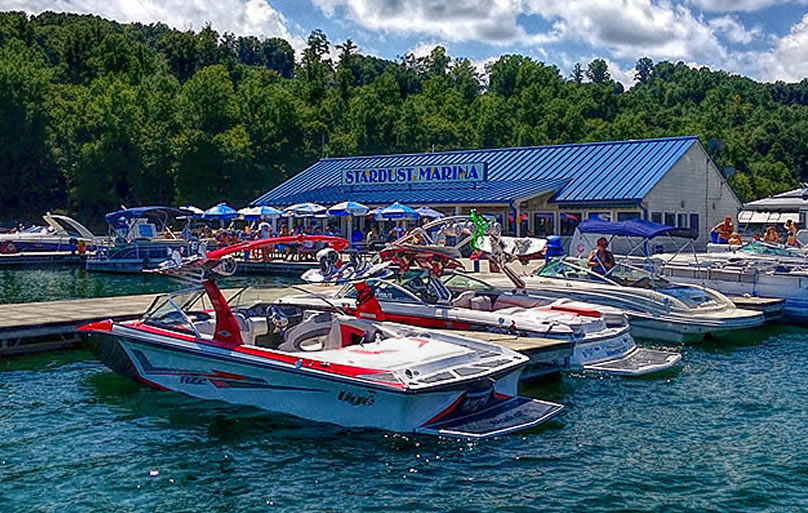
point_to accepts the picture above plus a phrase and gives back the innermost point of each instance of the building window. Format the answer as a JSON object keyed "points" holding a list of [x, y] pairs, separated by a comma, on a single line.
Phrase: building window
{"points": [[670, 218], [569, 221], [681, 221], [628, 216], [694, 222], [543, 224], [656, 217], [601, 216]]}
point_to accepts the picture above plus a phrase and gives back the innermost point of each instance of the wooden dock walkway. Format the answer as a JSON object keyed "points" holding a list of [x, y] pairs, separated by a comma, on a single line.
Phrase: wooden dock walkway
{"points": [[51, 325]]}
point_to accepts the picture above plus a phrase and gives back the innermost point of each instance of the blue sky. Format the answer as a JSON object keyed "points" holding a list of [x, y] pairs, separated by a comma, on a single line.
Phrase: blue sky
{"points": [[764, 39]]}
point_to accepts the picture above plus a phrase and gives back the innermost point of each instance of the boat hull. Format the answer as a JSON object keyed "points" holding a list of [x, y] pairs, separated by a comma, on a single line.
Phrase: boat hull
{"points": [[217, 374]]}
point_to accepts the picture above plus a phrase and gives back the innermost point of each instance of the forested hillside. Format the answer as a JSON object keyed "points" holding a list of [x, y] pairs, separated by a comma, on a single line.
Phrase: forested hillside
{"points": [[94, 114]]}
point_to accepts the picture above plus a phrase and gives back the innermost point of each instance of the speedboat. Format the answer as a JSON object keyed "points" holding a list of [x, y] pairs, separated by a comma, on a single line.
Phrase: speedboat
{"points": [[60, 233], [318, 365], [142, 240], [600, 335], [738, 274], [657, 308]]}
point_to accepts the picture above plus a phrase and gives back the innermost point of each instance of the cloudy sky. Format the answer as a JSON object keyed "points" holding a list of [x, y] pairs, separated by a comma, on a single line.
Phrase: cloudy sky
{"points": [[763, 39]]}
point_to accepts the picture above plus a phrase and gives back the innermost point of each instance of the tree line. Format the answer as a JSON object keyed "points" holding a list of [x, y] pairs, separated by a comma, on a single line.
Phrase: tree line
{"points": [[95, 114]]}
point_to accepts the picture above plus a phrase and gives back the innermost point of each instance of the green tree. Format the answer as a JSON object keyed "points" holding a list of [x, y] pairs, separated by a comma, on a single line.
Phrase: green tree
{"points": [[598, 72]]}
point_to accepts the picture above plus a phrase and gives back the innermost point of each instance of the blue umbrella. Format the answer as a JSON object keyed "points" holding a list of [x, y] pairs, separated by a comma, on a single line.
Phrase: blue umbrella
{"points": [[221, 212], [258, 212], [304, 210], [192, 210], [348, 208], [429, 212], [397, 211]]}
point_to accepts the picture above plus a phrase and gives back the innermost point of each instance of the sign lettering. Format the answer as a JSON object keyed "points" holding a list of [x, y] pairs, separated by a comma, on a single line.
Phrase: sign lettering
{"points": [[472, 172]]}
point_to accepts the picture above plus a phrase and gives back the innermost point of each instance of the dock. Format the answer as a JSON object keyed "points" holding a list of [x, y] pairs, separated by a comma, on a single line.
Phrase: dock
{"points": [[773, 309], [52, 325], [547, 355]]}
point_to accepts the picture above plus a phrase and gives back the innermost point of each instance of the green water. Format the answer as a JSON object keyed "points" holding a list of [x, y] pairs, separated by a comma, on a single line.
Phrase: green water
{"points": [[19, 285], [726, 432]]}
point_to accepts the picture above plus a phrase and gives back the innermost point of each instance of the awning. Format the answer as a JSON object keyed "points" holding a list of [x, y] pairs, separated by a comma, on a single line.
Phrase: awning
{"points": [[425, 194], [631, 228]]}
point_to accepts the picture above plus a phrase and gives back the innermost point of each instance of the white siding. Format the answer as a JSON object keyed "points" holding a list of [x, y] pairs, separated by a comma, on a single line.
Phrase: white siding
{"points": [[694, 185]]}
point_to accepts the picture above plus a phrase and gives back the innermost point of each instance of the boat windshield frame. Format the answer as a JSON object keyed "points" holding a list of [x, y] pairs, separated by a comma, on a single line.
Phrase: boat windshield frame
{"points": [[169, 303]]}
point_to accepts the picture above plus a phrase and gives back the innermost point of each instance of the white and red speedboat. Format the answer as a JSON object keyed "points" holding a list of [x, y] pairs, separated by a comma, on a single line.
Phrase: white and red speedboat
{"points": [[316, 364], [434, 296]]}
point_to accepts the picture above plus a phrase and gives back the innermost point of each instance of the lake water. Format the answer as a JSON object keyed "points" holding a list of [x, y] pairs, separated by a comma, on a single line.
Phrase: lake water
{"points": [[728, 431]]}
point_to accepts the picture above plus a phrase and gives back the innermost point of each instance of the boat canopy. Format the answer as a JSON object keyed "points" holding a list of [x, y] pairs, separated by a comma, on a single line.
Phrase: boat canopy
{"points": [[132, 213], [630, 228]]}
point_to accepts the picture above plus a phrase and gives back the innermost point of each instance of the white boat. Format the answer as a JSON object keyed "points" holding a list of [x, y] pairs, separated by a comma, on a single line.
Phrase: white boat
{"points": [[657, 308], [320, 365], [60, 233], [600, 335], [142, 240], [738, 274]]}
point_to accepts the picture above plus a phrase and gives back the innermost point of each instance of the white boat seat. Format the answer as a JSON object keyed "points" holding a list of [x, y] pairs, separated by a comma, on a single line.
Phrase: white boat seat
{"points": [[464, 299], [482, 303], [315, 326]]}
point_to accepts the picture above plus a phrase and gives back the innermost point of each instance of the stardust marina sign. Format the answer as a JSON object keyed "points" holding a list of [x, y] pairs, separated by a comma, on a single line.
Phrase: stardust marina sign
{"points": [[471, 172]]}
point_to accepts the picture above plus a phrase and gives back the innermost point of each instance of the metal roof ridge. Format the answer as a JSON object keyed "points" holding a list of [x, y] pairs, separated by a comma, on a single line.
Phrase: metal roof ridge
{"points": [[511, 148]]}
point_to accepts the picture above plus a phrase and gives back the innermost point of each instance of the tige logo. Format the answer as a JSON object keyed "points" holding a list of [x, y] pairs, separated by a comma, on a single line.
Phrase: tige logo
{"points": [[357, 400]]}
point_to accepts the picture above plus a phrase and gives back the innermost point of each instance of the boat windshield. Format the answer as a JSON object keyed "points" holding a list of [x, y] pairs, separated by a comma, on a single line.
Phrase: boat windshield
{"points": [[621, 274], [171, 311], [464, 282], [385, 291]]}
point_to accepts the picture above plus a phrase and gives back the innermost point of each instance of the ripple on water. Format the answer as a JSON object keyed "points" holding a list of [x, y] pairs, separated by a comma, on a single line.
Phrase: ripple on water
{"points": [[725, 433]]}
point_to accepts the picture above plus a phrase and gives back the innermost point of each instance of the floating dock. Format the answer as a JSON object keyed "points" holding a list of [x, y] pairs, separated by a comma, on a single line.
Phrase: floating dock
{"points": [[772, 308]]}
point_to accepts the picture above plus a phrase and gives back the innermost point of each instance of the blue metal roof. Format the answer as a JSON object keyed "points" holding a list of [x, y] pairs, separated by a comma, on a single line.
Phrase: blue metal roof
{"points": [[607, 172]]}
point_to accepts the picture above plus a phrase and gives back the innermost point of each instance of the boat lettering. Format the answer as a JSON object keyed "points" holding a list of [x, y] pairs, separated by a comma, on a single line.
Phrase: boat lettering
{"points": [[357, 400], [192, 380]]}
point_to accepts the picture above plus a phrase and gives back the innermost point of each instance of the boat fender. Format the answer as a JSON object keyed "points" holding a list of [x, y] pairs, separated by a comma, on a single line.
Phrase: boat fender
{"points": [[8, 247]]}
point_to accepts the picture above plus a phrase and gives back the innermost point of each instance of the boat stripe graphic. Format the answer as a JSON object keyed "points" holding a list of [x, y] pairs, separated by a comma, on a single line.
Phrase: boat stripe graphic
{"points": [[218, 379]]}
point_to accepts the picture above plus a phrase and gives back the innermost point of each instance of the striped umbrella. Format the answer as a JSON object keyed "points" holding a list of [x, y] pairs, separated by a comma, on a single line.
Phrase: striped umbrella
{"points": [[397, 211], [258, 212], [430, 213], [348, 208], [304, 210], [222, 212]]}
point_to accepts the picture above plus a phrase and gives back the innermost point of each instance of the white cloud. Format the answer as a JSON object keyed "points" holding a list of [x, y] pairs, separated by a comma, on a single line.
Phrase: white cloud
{"points": [[787, 60], [739, 5], [242, 17], [734, 30], [626, 28], [632, 28], [492, 21]]}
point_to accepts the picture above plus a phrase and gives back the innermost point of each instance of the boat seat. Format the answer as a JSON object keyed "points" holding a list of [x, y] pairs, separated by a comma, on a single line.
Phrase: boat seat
{"points": [[316, 326], [482, 303], [464, 299]]}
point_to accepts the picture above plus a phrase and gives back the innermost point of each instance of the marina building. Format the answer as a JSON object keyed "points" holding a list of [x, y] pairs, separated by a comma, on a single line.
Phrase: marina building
{"points": [[538, 191]]}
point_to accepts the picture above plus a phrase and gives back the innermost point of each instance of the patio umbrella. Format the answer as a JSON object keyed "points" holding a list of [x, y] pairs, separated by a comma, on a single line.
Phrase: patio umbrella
{"points": [[348, 208], [221, 212], [429, 212], [257, 212], [304, 210], [396, 211], [192, 210]]}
